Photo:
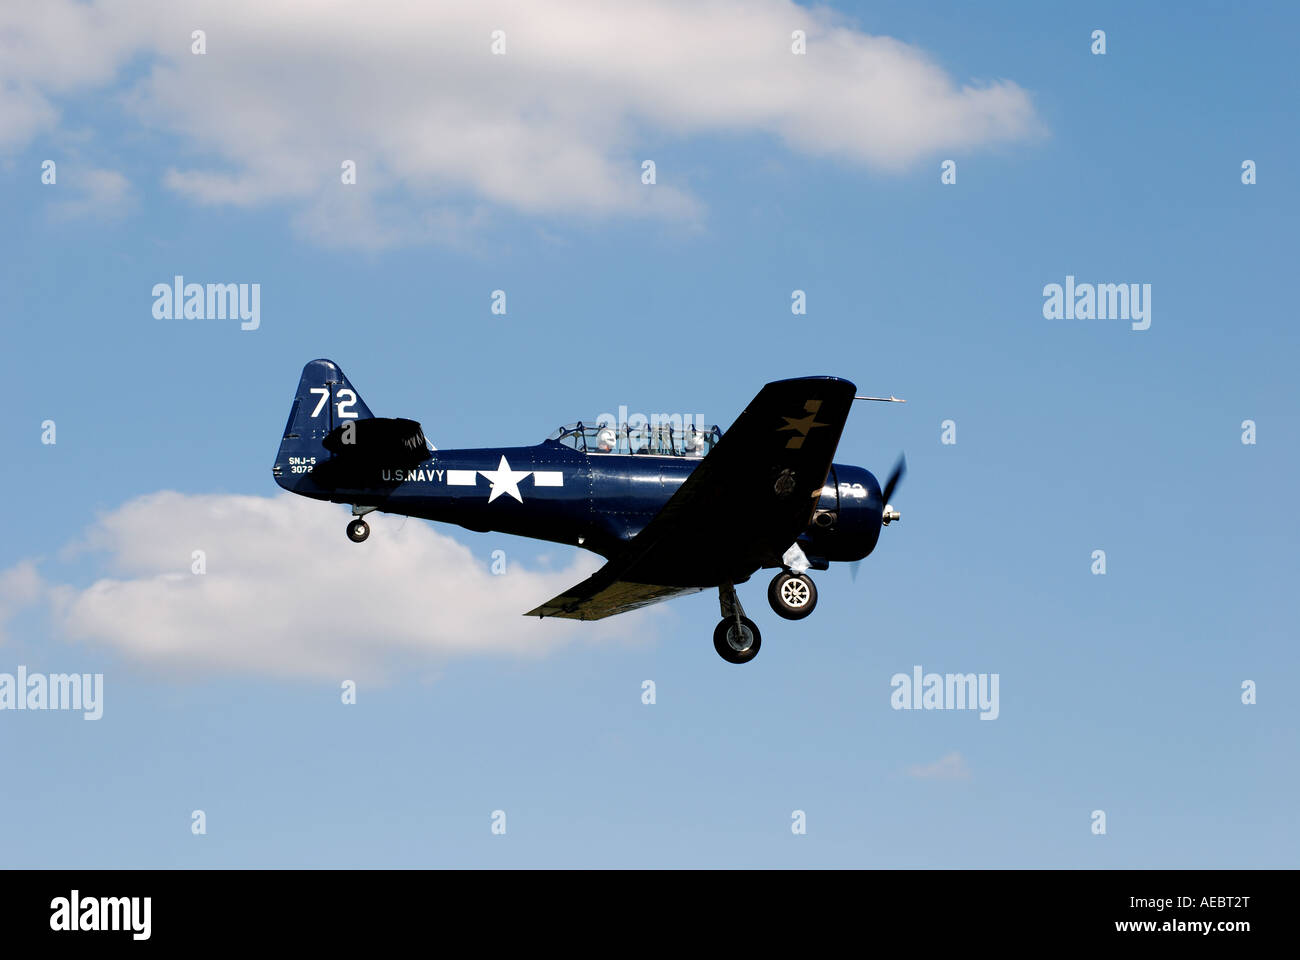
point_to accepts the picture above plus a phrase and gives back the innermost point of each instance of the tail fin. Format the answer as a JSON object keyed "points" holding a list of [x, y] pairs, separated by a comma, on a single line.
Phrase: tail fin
{"points": [[325, 400]]}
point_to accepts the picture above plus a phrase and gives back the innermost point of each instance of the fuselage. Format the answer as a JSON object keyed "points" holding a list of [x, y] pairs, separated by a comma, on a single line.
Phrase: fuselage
{"points": [[598, 501]]}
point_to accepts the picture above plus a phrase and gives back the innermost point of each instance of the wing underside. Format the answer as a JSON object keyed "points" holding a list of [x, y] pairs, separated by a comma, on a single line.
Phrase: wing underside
{"points": [[591, 601]]}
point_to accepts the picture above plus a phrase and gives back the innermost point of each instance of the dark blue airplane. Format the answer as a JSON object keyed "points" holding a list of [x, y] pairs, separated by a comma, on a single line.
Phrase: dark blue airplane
{"points": [[673, 511]]}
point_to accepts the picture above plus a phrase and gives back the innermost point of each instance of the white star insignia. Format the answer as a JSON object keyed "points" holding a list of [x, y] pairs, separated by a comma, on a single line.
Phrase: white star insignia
{"points": [[505, 480]]}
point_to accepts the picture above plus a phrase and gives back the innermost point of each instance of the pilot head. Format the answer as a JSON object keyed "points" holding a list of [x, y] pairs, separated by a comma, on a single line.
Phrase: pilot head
{"points": [[605, 440], [695, 443]]}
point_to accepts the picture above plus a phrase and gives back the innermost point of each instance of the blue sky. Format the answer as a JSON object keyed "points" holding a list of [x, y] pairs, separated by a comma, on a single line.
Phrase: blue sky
{"points": [[1119, 692]]}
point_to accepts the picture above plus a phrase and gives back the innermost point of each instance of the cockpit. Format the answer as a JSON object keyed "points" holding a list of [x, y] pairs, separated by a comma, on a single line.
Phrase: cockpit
{"points": [[657, 439]]}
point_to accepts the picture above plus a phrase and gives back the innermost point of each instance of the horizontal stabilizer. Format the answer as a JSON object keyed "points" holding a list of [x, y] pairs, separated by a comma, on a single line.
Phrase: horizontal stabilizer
{"points": [[360, 448], [389, 441]]}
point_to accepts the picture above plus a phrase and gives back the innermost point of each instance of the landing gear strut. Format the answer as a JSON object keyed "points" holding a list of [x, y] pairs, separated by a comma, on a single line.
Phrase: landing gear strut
{"points": [[736, 638], [792, 595], [358, 529]]}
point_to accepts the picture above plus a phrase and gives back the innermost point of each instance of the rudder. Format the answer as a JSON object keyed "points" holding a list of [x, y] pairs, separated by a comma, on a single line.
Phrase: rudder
{"points": [[325, 400]]}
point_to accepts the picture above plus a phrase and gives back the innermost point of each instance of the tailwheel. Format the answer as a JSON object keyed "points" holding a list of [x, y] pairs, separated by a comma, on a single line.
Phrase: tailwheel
{"points": [[792, 595], [358, 530], [737, 642]]}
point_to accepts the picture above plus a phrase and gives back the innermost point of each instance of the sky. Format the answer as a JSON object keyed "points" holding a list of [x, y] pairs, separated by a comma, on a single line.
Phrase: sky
{"points": [[522, 171]]}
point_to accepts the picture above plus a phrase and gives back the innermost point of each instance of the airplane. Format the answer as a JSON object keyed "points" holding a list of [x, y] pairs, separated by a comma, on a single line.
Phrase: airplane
{"points": [[672, 510]]}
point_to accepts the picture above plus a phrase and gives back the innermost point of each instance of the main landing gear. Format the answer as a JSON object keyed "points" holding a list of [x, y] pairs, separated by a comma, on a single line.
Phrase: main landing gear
{"points": [[792, 595], [736, 638]]}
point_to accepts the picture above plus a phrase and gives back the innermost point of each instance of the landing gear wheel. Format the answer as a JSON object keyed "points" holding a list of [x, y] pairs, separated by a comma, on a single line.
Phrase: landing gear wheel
{"points": [[358, 530], [792, 595], [737, 643]]}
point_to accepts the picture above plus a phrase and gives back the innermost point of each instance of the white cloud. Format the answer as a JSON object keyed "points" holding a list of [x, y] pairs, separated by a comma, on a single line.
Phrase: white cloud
{"points": [[286, 593], [20, 586], [412, 93], [950, 767], [90, 193]]}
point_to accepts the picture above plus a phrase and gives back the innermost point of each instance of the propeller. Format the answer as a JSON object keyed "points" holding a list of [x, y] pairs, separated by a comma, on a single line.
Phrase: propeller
{"points": [[900, 471]]}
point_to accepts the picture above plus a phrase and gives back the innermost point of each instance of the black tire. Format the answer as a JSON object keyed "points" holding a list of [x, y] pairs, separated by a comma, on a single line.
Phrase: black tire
{"points": [[358, 530], [724, 646], [792, 595]]}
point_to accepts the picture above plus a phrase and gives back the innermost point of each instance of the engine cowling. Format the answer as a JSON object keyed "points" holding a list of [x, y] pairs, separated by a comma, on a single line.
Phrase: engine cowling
{"points": [[846, 522]]}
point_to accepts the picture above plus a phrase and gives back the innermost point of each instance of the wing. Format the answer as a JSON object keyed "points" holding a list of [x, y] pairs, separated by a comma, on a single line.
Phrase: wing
{"points": [[599, 596], [739, 510]]}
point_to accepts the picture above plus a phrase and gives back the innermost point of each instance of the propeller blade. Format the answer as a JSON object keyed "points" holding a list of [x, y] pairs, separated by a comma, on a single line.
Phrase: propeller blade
{"points": [[892, 484]]}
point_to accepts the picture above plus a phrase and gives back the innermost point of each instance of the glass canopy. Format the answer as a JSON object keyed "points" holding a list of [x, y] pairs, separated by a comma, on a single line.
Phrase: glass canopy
{"points": [[660, 439]]}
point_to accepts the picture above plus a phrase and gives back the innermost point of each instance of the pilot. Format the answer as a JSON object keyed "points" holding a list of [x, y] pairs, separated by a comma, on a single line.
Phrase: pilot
{"points": [[695, 444], [605, 440]]}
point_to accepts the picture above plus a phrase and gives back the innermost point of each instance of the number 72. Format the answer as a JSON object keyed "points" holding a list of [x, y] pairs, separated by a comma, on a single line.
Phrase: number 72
{"points": [[343, 406]]}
